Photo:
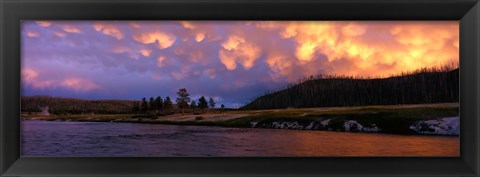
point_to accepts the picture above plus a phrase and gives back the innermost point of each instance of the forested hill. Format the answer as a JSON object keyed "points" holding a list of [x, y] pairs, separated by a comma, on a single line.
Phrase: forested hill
{"points": [[422, 86], [59, 105]]}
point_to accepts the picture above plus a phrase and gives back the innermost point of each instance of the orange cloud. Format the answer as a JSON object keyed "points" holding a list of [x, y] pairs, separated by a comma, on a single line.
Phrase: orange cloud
{"points": [[145, 52], [70, 29], [456, 43], [400, 46], [424, 45], [237, 49], [32, 34], [353, 30], [109, 30], [199, 37], [281, 66], [162, 40], [311, 38], [161, 61], [233, 42], [187, 25], [43, 23]]}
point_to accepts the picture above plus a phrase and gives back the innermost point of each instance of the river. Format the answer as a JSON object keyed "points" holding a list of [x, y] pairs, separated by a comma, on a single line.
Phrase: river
{"points": [[73, 139]]}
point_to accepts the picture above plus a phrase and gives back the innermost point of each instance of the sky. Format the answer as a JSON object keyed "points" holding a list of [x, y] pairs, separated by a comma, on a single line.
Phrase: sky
{"points": [[231, 61]]}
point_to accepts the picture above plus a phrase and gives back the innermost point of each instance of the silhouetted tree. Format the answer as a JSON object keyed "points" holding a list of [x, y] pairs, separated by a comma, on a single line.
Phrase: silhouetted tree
{"points": [[202, 103], [222, 106], [183, 99], [152, 104], [193, 104], [144, 107], [159, 103], [211, 102], [168, 103], [426, 85]]}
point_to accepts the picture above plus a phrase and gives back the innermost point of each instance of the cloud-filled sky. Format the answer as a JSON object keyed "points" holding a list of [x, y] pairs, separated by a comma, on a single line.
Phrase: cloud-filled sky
{"points": [[231, 61]]}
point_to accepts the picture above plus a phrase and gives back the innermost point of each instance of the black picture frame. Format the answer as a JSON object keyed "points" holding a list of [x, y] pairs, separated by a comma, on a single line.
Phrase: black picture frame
{"points": [[13, 11]]}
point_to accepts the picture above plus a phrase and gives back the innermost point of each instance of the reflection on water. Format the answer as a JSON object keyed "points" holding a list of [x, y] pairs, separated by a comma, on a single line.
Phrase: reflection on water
{"points": [[43, 138]]}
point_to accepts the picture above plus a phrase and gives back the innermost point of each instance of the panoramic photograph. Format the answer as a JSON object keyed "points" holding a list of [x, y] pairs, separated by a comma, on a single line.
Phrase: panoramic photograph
{"points": [[240, 88]]}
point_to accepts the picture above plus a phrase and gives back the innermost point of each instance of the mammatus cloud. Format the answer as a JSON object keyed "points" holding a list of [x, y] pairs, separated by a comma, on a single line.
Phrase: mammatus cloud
{"points": [[353, 30], [44, 23], [161, 61], [109, 30], [199, 37], [370, 48], [188, 25], [145, 52], [237, 50], [71, 29], [32, 34], [212, 58], [162, 40]]}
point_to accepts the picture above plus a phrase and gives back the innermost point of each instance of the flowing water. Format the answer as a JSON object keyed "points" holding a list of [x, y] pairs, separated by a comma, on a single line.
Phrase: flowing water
{"points": [[52, 138]]}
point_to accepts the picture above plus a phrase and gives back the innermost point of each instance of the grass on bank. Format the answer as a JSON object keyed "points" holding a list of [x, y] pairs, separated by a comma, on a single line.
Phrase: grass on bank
{"points": [[391, 119]]}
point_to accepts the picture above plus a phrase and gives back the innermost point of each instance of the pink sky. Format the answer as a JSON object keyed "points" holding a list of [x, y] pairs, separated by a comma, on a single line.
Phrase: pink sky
{"points": [[232, 61]]}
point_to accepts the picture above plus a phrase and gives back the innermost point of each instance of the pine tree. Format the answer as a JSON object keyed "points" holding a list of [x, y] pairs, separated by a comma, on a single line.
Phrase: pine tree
{"points": [[168, 103], [144, 107], [202, 103], [183, 99], [211, 102], [159, 103], [222, 106], [193, 104], [152, 104]]}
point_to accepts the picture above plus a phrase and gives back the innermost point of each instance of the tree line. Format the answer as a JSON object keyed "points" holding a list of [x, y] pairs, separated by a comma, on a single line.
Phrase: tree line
{"points": [[427, 85], [59, 105], [183, 103]]}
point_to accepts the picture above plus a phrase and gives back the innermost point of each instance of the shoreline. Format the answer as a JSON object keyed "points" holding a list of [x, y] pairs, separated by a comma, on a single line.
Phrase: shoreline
{"points": [[421, 119], [209, 125]]}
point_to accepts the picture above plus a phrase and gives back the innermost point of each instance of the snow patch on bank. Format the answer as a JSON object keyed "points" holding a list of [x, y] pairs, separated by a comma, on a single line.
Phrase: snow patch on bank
{"points": [[316, 125], [350, 125], [354, 126], [253, 124], [444, 126], [287, 125]]}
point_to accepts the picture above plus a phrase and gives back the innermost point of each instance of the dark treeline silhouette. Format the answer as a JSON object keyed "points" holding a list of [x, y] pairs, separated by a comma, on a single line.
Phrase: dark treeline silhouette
{"points": [[58, 105], [164, 107], [158, 105], [427, 85]]}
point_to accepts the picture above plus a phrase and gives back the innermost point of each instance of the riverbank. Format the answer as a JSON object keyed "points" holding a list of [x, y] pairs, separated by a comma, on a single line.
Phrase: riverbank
{"points": [[432, 119], [95, 139]]}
